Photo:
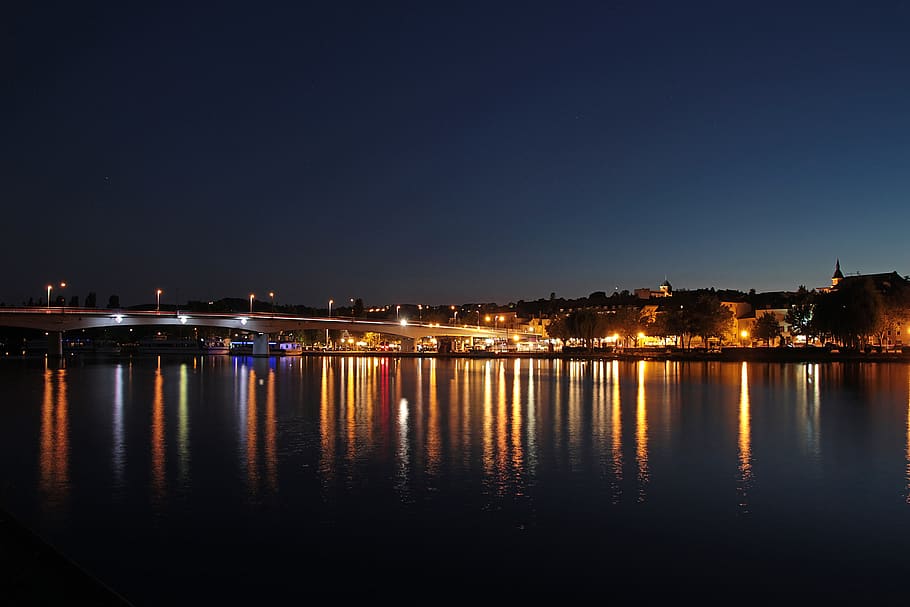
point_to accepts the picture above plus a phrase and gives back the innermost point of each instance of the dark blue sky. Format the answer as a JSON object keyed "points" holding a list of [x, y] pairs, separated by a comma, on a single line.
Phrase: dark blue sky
{"points": [[451, 152]]}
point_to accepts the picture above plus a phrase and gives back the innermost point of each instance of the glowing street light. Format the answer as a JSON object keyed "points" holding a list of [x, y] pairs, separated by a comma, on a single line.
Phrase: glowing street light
{"points": [[331, 301], [158, 302], [455, 320], [272, 295], [251, 302], [397, 310], [49, 287]]}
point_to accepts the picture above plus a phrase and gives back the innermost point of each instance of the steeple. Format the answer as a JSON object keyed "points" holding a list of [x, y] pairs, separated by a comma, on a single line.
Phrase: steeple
{"points": [[838, 275]]}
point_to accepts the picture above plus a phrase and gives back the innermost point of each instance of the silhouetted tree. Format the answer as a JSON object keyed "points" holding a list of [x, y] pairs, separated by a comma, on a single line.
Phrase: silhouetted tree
{"points": [[626, 323], [358, 307], [767, 328], [113, 302], [708, 317], [848, 314], [799, 316], [90, 300], [586, 325]]}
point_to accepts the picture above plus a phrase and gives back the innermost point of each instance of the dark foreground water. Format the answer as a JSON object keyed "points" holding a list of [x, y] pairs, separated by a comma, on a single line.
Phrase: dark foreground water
{"points": [[278, 481]]}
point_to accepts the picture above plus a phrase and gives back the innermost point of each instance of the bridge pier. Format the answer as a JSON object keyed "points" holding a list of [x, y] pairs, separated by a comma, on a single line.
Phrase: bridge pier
{"points": [[55, 344], [261, 344], [408, 344]]}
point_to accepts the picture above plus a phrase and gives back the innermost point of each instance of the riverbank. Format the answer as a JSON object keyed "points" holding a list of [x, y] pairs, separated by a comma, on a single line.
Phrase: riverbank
{"points": [[34, 573], [782, 355]]}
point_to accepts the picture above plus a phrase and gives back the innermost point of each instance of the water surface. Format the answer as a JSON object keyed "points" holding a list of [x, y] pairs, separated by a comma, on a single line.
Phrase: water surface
{"points": [[228, 478]]}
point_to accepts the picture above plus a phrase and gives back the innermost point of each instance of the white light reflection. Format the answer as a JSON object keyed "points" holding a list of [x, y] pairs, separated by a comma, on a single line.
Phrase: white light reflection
{"points": [[118, 450], [403, 453]]}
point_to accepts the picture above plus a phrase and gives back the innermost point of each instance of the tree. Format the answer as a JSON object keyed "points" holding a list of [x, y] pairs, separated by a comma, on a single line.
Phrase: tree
{"points": [[558, 329], [586, 325], [708, 317], [113, 302], [627, 323], [848, 314], [767, 328], [90, 300], [799, 316], [358, 308]]}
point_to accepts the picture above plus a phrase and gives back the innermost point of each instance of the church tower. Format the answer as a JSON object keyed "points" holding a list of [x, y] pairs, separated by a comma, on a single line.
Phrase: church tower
{"points": [[838, 275]]}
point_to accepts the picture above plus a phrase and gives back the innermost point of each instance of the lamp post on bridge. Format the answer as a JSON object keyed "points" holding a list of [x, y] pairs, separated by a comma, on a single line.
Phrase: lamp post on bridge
{"points": [[158, 301], [251, 302], [331, 301], [49, 287], [272, 295]]}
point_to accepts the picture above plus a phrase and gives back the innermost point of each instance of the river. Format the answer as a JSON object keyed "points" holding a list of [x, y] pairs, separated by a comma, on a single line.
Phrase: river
{"points": [[236, 479]]}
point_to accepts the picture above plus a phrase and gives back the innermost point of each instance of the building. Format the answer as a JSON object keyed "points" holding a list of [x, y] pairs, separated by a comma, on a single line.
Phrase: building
{"points": [[664, 290]]}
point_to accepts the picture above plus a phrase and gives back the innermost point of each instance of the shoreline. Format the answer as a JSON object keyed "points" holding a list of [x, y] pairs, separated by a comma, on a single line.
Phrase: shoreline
{"points": [[764, 355]]}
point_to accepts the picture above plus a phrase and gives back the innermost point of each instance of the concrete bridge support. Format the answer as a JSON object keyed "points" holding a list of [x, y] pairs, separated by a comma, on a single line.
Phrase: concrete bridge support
{"points": [[55, 344], [261, 344], [408, 344]]}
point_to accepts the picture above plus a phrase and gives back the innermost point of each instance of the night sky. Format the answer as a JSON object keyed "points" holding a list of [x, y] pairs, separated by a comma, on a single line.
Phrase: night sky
{"points": [[456, 152]]}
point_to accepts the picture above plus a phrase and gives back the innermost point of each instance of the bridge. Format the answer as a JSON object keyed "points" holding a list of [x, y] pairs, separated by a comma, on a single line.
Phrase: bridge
{"points": [[56, 320]]}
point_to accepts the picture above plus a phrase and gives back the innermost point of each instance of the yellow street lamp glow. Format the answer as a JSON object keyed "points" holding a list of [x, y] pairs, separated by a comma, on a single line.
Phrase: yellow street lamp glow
{"points": [[251, 302], [515, 337], [744, 334]]}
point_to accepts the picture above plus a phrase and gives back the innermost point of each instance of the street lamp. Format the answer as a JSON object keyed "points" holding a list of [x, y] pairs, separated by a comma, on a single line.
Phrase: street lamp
{"points": [[158, 302], [272, 295], [251, 302], [397, 310], [419, 312], [455, 320], [331, 301], [352, 309], [49, 287]]}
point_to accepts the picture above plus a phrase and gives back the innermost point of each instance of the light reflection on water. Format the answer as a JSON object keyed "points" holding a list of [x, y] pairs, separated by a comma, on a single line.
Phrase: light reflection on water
{"points": [[332, 446]]}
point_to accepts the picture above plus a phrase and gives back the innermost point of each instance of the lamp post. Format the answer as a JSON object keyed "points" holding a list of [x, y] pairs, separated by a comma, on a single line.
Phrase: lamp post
{"points": [[251, 302], [397, 310], [49, 287], [455, 320], [158, 301], [272, 295], [331, 301], [352, 309]]}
